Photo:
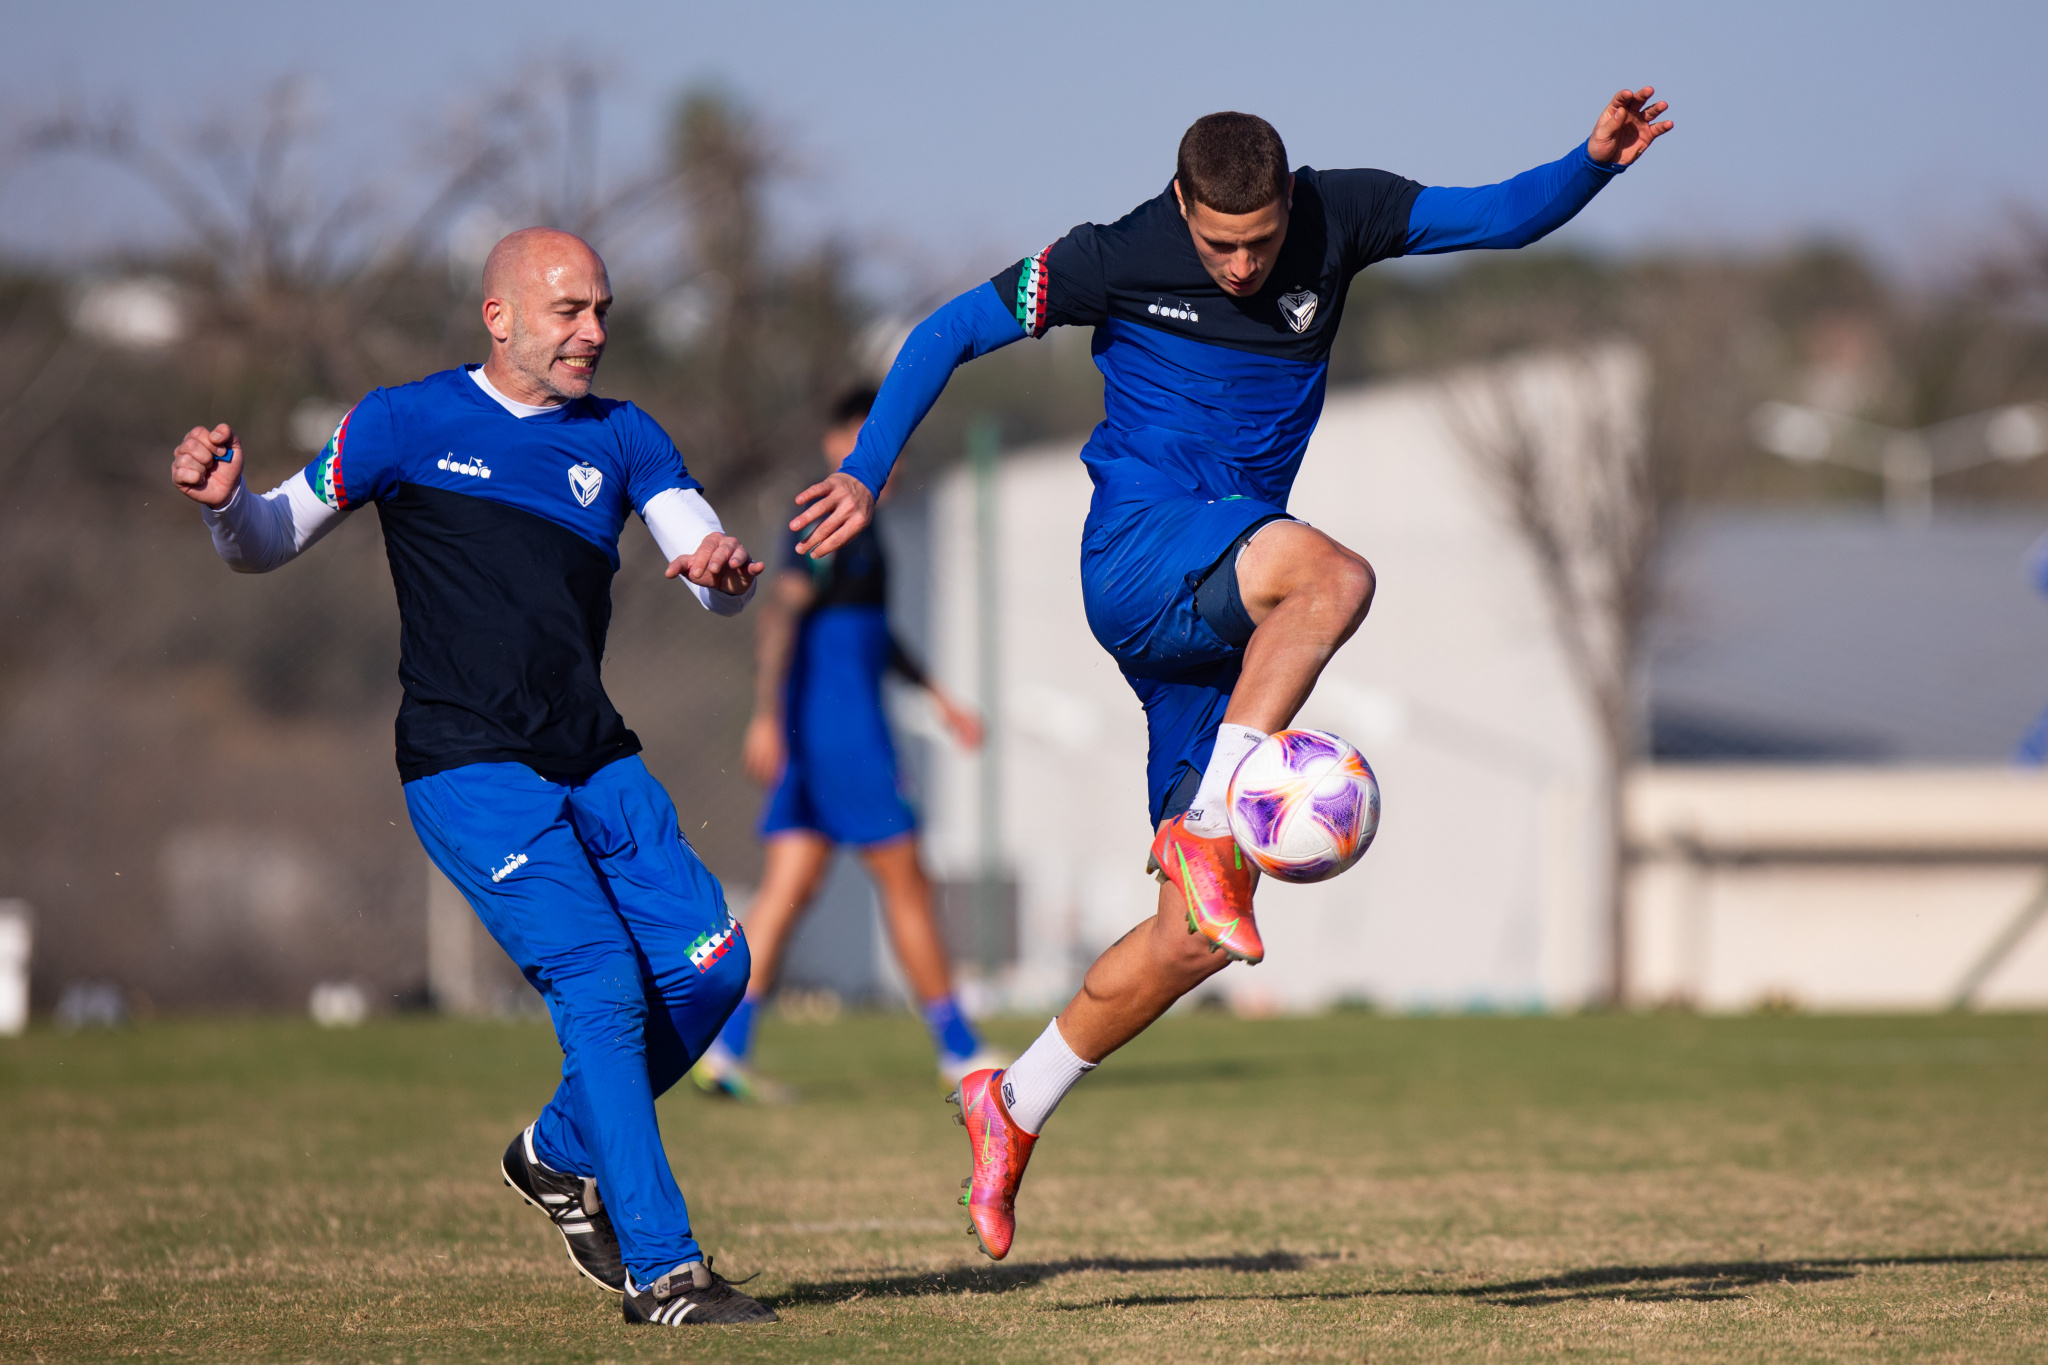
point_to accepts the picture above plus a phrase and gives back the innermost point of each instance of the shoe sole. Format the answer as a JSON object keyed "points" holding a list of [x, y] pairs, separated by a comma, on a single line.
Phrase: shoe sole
{"points": [[568, 1250]]}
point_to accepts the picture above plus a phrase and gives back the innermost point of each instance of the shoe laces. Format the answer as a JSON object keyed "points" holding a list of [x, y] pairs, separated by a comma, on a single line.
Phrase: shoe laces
{"points": [[683, 1280]]}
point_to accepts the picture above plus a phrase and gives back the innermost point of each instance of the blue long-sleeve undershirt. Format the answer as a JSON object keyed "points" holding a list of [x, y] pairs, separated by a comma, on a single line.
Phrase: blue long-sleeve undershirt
{"points": [[972, 325], [1513, 213]]}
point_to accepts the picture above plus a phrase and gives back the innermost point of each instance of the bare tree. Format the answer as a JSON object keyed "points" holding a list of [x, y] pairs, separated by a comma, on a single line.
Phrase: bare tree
{"points": [[1592, 447], [1559, 438]]}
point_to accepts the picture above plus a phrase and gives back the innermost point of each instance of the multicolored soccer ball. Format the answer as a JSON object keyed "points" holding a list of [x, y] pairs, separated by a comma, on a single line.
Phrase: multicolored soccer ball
{"points": [[1303, 805]]}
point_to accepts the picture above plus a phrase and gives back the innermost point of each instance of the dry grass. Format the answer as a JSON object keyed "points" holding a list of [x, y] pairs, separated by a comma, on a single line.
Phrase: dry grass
{"points": [[1341, 1188]]}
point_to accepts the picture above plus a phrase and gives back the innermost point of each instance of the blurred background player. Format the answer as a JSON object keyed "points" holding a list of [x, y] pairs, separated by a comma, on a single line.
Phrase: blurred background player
{"points": [[501, 489], [1214, 306], [820, 740]]}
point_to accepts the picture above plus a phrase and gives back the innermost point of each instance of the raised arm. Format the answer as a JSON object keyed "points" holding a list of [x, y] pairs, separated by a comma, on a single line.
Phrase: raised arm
{"points": [[1535, 203], [844, 502], [251, 534]]}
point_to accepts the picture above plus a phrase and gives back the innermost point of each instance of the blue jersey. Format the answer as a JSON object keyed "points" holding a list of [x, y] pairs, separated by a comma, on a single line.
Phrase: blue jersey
{"points": [[1216, 393], [503, 537]]}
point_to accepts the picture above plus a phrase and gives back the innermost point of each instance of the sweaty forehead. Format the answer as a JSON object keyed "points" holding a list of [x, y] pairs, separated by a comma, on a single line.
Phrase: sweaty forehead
{"points": [[569, 272], [540, 260]]}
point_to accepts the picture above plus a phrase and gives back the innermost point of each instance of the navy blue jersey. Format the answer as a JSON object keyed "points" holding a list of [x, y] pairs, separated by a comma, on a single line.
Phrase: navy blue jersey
{"points": [[1219, 393], [854, 575], [503, 536]]}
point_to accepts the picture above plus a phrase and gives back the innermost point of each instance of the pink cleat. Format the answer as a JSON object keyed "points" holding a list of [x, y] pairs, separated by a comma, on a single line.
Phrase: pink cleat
{"points": [[1216, 881], [1001, 1150]]}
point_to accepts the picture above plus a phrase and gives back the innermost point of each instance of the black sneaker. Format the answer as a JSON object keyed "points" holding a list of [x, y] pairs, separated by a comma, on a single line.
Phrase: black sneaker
{"points": [[693, 1293], [572, 1205]]}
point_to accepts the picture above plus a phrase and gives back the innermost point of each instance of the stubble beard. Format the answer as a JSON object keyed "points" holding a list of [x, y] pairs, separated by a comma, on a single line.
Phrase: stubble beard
{"points": [[535, 359]]}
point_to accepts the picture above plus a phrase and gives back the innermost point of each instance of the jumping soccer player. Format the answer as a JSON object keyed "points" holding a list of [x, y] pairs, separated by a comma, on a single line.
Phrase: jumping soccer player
{"points": [[820, 737], [502, 489], [1214, 306]]}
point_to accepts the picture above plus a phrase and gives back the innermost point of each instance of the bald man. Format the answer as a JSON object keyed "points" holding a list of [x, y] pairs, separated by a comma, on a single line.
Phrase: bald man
{"points": [[502, 489]]}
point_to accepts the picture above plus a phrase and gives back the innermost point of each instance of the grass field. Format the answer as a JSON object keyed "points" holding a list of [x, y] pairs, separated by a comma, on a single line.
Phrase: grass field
{"points": [[1352, 1187]]}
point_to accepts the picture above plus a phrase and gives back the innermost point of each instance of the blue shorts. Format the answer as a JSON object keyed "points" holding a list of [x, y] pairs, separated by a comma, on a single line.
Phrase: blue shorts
{"points": [[593, 891], [840, 779], [1160, 586]]}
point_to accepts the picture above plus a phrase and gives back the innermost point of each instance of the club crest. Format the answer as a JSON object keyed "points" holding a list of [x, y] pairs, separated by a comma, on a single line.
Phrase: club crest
{"points": [[1299, 309], [585, 480]]}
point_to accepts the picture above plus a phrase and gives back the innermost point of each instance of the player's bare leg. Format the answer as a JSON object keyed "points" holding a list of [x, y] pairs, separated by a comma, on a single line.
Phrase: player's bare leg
{"points": [[1307, 595], [791, 874], [907, 909], [1136, 979]]}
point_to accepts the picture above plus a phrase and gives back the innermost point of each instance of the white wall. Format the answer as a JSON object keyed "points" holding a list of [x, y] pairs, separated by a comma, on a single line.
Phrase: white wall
{"points": [[1485, 885], [1850, 888]]}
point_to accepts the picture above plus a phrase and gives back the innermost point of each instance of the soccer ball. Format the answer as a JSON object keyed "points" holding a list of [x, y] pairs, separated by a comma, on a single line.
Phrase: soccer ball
{"points": [[1303, 805]]}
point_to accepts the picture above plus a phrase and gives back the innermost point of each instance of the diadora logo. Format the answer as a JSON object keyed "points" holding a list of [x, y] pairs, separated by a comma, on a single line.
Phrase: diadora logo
{"points": [[476, 469], [1299, 309], [1177, 310], [584, 481], [513, 863]]}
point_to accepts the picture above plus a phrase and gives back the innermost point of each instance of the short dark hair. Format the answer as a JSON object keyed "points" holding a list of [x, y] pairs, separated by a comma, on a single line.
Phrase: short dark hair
{"points": [[854, 405], [1234, 163]]}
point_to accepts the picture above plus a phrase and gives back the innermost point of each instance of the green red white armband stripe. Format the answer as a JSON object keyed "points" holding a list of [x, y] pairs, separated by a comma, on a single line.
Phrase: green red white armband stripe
{"points": [[1032, 282], [327, 483]]}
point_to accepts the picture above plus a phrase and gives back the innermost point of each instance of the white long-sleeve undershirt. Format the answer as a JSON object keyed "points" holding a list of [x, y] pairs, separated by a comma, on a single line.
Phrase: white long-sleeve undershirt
{"points": [[257, 534]]}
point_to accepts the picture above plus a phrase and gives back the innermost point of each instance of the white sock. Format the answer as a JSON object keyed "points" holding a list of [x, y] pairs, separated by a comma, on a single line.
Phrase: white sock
{"points": [[1035, 1083], [1207, 817]]}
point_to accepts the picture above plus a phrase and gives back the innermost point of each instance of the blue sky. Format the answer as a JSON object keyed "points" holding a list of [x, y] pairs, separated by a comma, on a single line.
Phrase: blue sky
{"points": [[964, 135]]}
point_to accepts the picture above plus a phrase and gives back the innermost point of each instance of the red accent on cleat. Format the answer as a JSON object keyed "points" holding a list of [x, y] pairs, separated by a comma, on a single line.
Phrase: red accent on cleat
{"points": [[1001, 1151], [1214, 879]]}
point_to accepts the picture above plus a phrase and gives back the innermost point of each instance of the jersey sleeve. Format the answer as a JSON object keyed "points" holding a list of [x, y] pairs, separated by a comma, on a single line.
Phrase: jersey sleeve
{"points": [[972, 325], [653, 464], [1513, 213], [1062, 286], [1369, 210], [359, 463], [904, 664]]}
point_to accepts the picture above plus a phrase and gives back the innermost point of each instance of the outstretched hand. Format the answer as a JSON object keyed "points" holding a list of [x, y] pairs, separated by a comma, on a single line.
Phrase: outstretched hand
{"points": [[207, 465], [720, 564], [1627, 127], [841, 507]]}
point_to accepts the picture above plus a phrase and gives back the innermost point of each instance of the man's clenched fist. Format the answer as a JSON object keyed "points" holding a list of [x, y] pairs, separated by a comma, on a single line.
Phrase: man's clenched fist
{"points": [[207, 465]]}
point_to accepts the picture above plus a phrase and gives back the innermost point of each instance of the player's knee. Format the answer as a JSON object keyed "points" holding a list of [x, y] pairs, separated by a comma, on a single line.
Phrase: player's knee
{"points": [[600, 1007], [1344, 583], [1353, 582]]}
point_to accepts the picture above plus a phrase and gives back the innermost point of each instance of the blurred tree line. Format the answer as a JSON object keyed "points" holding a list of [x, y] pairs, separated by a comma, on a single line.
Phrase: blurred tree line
{"points": [[169, 730]]}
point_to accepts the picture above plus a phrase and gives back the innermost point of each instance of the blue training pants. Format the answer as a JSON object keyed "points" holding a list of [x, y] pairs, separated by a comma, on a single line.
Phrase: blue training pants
{"points": [[592, 890]]}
